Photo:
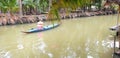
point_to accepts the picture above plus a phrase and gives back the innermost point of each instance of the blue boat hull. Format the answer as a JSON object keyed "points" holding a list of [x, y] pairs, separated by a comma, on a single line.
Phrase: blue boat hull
{"points": [[33, 30]]}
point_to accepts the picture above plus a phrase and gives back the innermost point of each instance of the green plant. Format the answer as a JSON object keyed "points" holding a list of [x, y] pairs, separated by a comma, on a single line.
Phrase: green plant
{"points": [[9, 6]]}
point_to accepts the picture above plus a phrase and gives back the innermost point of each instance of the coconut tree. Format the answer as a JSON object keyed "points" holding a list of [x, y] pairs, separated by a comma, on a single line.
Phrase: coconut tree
{"points": [[34, 6], [28, 6], [43, 5], [68, 5], [9, 8]]}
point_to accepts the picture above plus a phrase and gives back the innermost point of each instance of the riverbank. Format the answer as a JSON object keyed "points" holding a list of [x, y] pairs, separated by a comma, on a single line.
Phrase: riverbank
{"points": [[6, 19], [16, 19]]}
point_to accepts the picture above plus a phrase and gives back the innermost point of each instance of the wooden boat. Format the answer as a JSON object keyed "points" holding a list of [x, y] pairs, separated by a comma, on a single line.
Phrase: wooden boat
{"points": [[115, 28], [33, 30]]}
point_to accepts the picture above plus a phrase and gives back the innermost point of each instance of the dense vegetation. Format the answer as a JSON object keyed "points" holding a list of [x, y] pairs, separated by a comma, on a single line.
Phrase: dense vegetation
{"points": [[15, 11]]}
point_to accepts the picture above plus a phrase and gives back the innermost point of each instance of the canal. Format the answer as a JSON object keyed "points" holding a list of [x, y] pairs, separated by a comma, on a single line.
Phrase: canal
{"points": [[87, 37]]}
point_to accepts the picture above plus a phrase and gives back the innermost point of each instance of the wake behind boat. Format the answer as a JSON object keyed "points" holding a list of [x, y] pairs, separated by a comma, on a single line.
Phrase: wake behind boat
{"points": [[33, 30]]}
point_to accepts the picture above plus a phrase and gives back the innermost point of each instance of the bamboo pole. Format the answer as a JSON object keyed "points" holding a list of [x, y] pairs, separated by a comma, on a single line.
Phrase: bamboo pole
{"points": [[117, 36], [118, 23], [114, 45]]}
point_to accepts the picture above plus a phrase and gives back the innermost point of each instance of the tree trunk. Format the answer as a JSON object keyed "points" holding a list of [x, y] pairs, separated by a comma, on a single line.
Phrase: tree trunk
{"points": [[20, 10], [50, 4]]}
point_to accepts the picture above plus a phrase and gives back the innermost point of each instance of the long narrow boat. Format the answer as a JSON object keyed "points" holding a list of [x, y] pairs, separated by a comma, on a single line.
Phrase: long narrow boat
{"points": [[115, 28], [33, 30]]}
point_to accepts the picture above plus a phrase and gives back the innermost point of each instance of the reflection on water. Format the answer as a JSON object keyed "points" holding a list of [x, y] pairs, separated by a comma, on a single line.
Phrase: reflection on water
{"points": [[4, 54], [20, 46], [75, 38], [70, 53], [41, 46]]}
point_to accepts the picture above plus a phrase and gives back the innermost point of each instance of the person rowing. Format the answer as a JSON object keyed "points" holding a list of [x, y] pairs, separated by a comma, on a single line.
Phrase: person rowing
{"points": [[40, 25]]}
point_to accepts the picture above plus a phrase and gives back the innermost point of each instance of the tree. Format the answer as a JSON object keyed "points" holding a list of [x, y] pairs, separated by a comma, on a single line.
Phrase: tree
{"points": [[43, 5], [34, 6], [28, 6], [67, 5], [8, 6], [113, 1]]}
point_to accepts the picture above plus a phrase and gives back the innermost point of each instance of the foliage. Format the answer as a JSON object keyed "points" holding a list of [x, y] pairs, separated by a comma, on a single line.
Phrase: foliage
{"points": [[116, 2], [9, 5], [43, 5], [113, 1], [28, 5], [35, 5], [68, 5]]}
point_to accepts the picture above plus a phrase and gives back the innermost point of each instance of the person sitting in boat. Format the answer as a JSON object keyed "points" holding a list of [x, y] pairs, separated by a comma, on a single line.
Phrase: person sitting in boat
{"points": [[40, 25]]}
